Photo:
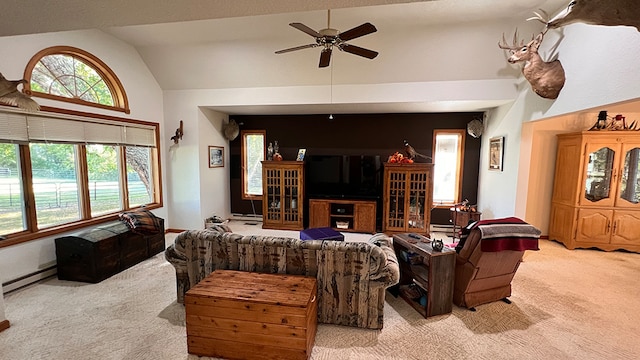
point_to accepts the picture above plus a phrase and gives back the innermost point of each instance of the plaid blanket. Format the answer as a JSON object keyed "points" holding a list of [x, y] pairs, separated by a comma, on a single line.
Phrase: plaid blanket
{"points": [[504, 234], [142, 221]]}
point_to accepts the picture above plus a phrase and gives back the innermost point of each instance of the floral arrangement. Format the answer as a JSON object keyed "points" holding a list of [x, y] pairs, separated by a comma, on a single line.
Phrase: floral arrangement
{"points": [[399, 158]]}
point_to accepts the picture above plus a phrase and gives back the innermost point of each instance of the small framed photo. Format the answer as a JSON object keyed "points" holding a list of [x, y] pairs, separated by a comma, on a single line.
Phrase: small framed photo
{"points": [[496, 153], [216, 156], [301, 153]]}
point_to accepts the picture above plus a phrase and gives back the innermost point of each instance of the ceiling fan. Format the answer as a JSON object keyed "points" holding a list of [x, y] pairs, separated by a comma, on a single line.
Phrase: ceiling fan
{"points": [[328, 38]]}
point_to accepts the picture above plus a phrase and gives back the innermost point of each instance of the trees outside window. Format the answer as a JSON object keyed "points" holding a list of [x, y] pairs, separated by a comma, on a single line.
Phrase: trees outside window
{"points": [[75, 169], [139, 182], [103, 163], [61, 169], [73, 75], [55, 184], [12, 212]]}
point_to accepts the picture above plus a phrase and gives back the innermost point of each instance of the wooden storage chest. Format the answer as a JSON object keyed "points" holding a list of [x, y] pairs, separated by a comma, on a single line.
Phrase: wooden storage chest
{"points": [[97, 253], [245, 315]]}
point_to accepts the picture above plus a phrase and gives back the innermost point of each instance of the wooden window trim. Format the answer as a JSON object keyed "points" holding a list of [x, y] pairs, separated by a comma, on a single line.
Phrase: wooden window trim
{"points": [[29, 198], [120, 100], [243, 152], [460, 159]]}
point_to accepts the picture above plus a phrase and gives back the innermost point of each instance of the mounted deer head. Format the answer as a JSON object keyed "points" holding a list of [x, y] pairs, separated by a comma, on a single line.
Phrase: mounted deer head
{"points": [[595, 12], [546, 78]]}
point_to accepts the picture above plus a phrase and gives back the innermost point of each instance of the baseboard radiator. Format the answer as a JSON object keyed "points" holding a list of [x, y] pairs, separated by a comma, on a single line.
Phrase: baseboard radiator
{"points": [[246, 217], [29, 279]]}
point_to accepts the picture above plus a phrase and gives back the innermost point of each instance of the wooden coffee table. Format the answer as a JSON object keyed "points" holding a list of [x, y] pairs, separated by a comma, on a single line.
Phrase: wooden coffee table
{"points": [[246, 315]]}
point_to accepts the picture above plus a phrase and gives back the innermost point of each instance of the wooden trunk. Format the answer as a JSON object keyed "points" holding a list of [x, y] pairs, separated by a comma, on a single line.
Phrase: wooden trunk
{"points": [[245, 315], [95, 254]]}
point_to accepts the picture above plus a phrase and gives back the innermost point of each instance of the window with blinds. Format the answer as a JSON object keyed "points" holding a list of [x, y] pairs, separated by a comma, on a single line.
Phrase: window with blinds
{"points": [[25, 127], [62, 169]]}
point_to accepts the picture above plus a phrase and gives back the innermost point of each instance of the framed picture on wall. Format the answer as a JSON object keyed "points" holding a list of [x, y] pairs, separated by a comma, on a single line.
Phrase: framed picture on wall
{"points": [[496, 153], [216, 156]]}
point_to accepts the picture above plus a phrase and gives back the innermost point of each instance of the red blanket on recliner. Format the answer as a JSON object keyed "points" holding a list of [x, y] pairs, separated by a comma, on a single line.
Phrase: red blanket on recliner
{"points": [[506, 234]]}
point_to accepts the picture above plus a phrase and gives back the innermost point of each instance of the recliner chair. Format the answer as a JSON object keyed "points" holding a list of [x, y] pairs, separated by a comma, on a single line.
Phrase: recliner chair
{"points": [[489, 254]]}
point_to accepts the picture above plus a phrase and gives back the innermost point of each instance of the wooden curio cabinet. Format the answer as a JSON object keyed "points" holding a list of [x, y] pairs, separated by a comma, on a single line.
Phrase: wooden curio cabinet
{"points": [[282, 195], [408, 192], [596, 193]]}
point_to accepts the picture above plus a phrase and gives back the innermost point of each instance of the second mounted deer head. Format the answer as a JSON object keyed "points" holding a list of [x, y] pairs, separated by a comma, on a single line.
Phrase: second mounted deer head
{"points": [[546, 78], [594, 12]]}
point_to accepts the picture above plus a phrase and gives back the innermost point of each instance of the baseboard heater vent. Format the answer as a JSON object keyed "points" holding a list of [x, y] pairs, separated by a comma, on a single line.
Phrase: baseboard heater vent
{"points": [[246, 217], [438, 227], [29, 279]]}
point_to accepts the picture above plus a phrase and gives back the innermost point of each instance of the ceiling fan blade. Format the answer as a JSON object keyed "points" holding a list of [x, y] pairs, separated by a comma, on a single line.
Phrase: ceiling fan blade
{"points": [[296, 48], [357, 50], [325, 57], [304, 28], [362, 30]]}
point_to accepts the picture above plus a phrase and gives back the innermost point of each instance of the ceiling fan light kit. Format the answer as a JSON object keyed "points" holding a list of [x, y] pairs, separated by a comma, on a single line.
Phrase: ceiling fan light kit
{"points": [[329, 37]]}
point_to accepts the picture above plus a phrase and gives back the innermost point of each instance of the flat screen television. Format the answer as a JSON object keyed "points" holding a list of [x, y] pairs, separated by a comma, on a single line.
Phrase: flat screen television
{"points": [[343, 176]]}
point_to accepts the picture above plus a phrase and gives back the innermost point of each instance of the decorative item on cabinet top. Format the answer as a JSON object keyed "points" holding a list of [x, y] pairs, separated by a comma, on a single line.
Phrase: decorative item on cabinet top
{"points": [[301, 153], [617, 122], [412, 153]]}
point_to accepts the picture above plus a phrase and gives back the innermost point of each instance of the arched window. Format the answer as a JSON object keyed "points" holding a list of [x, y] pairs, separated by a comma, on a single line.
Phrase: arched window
{"points": [[73, 75]]}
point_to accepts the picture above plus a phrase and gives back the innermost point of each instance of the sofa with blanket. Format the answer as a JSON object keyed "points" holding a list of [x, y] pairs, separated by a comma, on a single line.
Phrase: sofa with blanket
{"points": [[352, 276]]}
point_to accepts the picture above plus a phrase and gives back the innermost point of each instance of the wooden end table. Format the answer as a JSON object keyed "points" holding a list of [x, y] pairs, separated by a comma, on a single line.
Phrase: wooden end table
{"points": [[425, 272]]}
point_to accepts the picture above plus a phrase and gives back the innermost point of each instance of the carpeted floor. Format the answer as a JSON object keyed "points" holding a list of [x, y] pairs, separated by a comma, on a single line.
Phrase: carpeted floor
{"points": [[580, 304]]}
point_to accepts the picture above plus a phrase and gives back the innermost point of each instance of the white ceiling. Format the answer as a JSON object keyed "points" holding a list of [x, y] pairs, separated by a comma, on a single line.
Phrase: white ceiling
{"points": [[217, 44]]}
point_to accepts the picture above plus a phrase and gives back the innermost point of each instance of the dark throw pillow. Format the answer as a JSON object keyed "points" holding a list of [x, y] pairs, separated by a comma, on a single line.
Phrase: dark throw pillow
{"points": [[142, 221]]}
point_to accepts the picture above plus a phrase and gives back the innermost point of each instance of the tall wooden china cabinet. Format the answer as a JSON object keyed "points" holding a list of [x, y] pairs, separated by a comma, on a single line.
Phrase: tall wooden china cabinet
{"points": [[596, 193], [408, 195], [282, 195]]}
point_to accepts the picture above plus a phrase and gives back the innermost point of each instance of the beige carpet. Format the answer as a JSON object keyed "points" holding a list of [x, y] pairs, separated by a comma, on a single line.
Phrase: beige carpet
{"points": [[581, 304]]}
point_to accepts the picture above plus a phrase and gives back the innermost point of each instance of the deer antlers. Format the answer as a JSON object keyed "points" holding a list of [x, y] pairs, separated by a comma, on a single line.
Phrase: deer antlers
{"points": [[543, 19], [503, 44]]}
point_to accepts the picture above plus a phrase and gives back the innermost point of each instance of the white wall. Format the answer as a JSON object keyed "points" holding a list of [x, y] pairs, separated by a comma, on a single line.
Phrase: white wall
{"points": [[600, 64], [145, 101]]}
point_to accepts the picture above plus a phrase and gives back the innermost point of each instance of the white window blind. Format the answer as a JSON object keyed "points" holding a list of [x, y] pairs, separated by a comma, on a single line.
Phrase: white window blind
{"points": [[13, 127], [46, 127]]}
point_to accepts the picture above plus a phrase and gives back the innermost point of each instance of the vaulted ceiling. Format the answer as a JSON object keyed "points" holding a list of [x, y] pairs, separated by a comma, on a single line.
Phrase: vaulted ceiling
{"points": [[217, 44]]}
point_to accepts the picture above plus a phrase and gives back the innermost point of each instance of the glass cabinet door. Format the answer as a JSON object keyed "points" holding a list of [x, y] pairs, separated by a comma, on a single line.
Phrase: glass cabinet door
{"points": [[629, 192], [599, 171], [417, 199], [272, 179], [290, 183], [397, 184]]}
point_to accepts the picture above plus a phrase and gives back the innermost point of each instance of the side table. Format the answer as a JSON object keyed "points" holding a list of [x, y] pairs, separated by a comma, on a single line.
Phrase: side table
{"points": [[460, 219], [426, 276]]}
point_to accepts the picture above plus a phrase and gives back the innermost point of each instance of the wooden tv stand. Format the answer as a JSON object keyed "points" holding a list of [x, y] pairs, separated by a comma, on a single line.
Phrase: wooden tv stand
{"points": [[343, 215]]}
